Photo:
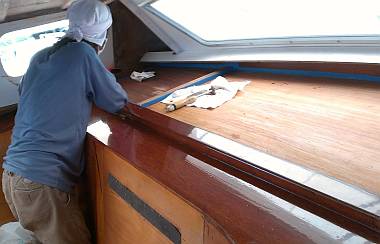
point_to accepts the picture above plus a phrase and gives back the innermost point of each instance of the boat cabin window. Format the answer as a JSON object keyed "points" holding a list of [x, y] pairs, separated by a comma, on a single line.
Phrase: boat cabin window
{"points": [[211, 21], [18, 47]]}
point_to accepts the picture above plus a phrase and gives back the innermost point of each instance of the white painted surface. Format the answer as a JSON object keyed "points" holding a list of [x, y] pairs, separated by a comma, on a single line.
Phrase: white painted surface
{"points": [[307, 54], [8, 91], [188, 48], [107, 55]]}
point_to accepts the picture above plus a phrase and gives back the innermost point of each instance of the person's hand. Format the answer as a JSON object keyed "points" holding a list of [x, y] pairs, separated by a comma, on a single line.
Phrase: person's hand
{"points": [[123, 113]]}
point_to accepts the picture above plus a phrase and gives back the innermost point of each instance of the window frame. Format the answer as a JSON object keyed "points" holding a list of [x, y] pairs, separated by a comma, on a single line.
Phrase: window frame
{"points": [[186, 48], [24, 24], [270, 42]]}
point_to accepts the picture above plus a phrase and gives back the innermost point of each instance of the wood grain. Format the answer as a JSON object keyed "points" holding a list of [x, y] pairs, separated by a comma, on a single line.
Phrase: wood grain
{"points": [[125, 225], [252, 217], [94, 186], [7, 119], [328, 125], [5, 212], [213, 235], [188, 220]]}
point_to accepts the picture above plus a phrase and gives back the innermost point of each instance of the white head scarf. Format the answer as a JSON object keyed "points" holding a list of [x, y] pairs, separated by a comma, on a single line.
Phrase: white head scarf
{"points": [[89, 20]]}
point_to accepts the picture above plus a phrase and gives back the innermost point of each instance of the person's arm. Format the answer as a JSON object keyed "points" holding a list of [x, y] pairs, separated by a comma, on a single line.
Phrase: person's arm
{"points": [[105, 92]]}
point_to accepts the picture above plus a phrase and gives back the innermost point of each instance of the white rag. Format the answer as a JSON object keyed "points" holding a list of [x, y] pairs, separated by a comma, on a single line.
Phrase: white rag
{"points": [[14, 233], [225, 91], [89, 20], [142, 76]]}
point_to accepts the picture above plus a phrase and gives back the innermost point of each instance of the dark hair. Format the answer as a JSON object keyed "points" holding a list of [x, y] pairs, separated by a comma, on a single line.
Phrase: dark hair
{"points": [[66, 40], [60, 44], [95, 46]]}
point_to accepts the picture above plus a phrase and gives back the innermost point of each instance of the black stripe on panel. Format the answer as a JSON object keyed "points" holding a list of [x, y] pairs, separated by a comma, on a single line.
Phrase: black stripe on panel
{"points": [[162, 224]]}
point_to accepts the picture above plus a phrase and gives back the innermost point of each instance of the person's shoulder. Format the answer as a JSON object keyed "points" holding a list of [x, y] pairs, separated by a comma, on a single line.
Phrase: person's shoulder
{"points": [[81, 49], [40, 55]]}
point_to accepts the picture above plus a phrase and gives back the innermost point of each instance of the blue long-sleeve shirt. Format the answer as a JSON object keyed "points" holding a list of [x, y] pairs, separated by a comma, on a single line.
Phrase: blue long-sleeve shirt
{"points": [[56, 96]]}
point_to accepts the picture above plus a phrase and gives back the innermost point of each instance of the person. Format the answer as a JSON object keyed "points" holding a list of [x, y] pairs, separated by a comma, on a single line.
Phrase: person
{"points": [[45, 159]]}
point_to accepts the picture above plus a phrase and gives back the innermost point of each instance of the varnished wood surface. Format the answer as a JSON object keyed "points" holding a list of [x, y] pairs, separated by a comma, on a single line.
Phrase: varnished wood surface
{"points": [[341, 203], [124, 225], [214, 235], [328, 125], [165, 79], [236, 206], [115, 221], [187, 219], [7, 119], [94, 191], [5, 213]]}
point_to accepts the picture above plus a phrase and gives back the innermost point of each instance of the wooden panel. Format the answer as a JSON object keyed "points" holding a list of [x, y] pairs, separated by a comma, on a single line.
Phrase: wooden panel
{"points": [[213, 235], [328, 125], [165, 79], [252, 217], [125, 225], [7, 118], [188, 220], [5, 212], [94, 187], [345, 211], [5, 139], [131, 39]]}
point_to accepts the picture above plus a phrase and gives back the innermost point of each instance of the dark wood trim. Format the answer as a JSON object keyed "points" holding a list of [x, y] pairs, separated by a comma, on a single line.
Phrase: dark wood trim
{"points": [[336, 67], [33, 14], [128, 48], [352, 68], [7, 117], [338, 212], [8, 109]]}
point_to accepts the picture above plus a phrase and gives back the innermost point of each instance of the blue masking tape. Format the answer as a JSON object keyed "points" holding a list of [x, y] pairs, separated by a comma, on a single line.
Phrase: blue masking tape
{"points": [[306, 73], [231, 67], [309, 73]]}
